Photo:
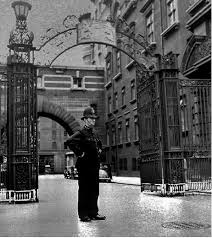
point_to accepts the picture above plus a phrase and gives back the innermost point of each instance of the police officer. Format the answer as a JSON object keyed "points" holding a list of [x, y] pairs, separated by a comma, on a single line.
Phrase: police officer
{"points": [[87, 147]]}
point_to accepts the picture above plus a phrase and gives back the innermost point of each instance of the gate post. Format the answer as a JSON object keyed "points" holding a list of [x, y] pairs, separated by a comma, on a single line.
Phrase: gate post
{"points": [[22, 109], [172, 162]]}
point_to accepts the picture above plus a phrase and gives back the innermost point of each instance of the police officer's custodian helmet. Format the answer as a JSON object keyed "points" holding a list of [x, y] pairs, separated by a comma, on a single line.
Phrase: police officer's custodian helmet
{"points": [[89, 113]]}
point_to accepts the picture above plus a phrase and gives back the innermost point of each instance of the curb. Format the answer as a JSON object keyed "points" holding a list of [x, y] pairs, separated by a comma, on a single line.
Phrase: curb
{"points": [[125, 183]]}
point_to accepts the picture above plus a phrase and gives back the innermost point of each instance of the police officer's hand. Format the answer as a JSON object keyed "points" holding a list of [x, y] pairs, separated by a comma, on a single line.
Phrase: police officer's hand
{"points": [[82, 155]]}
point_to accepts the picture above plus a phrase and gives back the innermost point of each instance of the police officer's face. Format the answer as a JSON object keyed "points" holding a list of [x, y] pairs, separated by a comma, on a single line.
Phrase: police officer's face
{"points": [[90, 122]]}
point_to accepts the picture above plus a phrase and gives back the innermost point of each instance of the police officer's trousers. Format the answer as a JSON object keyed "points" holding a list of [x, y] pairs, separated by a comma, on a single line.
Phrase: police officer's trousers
{"points": [[88, 192]]}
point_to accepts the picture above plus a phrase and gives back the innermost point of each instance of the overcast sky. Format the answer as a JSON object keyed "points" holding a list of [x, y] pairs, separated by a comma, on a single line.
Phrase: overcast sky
{"points": [[43, 15]]}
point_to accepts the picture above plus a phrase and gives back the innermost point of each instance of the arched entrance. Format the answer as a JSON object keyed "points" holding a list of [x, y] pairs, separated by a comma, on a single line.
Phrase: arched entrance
{"points": [[54, 112], [58, 114]]}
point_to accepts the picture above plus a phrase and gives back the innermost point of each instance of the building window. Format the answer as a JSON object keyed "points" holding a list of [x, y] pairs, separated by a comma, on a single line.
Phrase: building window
{"points": [[136, 128], [54, 124], [119, 132], [109, 104], [54, 145], [171, 11], [118, 61], [127, 130], [120, 164], [108, 136], [77, 82], [65, 133], [116, 100], [134, 164], [133, 93], [54, 135], [113, 135], [108, 69], [123, 96], [125, 163], [131, 49], [150, 26]]}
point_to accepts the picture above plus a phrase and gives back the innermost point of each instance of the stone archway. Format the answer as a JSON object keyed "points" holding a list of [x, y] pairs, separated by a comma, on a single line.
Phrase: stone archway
{"points": [[45, 108]]}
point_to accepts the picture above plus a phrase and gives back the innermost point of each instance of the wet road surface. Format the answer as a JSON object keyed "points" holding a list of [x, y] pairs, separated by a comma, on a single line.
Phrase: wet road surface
{"points": [[129, 213]]}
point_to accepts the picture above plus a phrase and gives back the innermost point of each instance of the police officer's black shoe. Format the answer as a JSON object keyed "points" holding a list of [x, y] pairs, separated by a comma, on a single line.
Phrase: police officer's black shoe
{"points": [[97, 217], [85, 218]]}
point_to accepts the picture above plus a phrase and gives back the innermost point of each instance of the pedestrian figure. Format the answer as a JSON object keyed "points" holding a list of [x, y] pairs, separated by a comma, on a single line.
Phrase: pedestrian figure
{"points": [[87, 147], [72, 172]]}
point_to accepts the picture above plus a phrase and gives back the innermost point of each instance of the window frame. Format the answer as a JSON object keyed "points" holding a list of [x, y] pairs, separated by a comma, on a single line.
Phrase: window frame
{"points": [[134, 164], [123, 95], [77, 87], [150, 35], [54, 145], [118, 61], [116, 101], [120, 134], [107, 136], [171, 7], [127, 130], [109, 101], [108, 66], [113, 129], [132, 90], [136, 129]]}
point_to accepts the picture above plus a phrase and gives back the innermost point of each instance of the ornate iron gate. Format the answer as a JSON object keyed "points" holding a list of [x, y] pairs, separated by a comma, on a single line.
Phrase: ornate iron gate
{"points": [[175, 121], [22, 129], [195, 111], [149, 129]]}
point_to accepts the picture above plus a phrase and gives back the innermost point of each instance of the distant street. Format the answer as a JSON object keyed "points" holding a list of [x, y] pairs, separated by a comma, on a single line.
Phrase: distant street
{"points": [[129, 213]]}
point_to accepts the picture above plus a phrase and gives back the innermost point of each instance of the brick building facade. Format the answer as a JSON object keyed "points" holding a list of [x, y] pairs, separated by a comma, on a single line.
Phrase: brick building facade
{"points": [[73, 88]]}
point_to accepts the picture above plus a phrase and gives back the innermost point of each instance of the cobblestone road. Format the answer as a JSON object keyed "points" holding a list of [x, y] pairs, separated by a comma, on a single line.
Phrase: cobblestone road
{"points": [[129, 213]]}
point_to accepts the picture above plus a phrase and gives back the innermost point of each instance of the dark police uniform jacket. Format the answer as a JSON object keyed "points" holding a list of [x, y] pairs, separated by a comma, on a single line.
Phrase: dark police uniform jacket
{"points": [[86, 142]]}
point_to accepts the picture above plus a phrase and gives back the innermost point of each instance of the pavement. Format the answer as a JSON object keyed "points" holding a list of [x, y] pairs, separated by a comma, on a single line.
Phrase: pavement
{"points": [[137, 182], [127, 180], [129, 213]]}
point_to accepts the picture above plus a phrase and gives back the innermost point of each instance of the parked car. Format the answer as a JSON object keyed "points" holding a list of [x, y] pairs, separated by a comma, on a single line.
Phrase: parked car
{"points": [[105, 173], [47, 169], [70, 172]]}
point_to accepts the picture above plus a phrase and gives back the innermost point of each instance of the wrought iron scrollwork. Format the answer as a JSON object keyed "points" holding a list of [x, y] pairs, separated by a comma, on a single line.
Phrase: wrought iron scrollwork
{"points": [[67, 35], [125, 32]]}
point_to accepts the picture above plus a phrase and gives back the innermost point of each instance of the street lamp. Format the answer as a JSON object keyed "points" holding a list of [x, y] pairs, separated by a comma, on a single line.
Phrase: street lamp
{"points": [[20, 41], [21, 9]]}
